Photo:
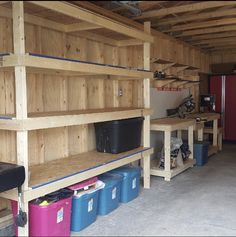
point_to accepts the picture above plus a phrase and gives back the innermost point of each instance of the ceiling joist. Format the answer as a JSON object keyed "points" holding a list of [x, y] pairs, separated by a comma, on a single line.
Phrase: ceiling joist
{"points": [[194, 17], [210, 36], [185, 8], [206, 24], [207, 31]]}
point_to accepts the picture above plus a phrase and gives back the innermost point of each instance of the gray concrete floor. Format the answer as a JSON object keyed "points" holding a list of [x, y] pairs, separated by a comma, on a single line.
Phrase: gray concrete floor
{"points": [[200, 201]]}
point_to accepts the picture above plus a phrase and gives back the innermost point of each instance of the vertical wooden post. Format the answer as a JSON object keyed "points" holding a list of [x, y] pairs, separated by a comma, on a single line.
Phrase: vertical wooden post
{"points": [[179, 134], [21, 97], [167, 148], [146, 98], [215, 132], [200, 134], [190, 141]]}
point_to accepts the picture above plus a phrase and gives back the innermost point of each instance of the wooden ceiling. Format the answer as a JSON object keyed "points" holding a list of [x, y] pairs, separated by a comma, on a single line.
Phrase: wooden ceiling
{"points": [[210, 25]]}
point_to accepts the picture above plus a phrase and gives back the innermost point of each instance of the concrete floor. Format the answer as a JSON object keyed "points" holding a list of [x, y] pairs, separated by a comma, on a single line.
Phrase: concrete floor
{"points": [[200, 201]]}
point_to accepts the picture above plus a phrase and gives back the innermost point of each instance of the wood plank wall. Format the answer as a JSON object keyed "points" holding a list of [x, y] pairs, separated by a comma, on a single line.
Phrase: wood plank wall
{"points": [[53, 93]]}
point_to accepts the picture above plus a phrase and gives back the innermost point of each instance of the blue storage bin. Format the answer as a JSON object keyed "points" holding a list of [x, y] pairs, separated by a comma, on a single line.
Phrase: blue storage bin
{"points": [[84, 210], [109, 196], [200, 153], [130, 185]]}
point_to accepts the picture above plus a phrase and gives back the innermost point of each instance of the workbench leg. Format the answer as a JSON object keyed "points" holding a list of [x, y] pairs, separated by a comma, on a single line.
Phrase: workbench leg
{"points": [[24, 231], [167, 148], [146, 172], [179, 134], [190, 141], [200, 134], [215, 132]]}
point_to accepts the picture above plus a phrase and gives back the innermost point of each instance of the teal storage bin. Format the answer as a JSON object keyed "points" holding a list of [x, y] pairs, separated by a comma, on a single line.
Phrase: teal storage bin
{"points": [[109, 196], [84, 210], [130, 185], [200, 153]]}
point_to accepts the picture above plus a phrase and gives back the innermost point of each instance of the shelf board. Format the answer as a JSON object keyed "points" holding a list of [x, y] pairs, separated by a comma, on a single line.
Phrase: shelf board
{"points": [[46, 120], [161, 61], [162, 82], [156, 171], [212, 150], [171, 124], [48, 64], [51, 176]]}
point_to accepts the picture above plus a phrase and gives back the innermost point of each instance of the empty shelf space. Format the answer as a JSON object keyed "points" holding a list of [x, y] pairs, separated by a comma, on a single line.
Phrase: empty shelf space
{"points": [[64, 66], [46, 120]]}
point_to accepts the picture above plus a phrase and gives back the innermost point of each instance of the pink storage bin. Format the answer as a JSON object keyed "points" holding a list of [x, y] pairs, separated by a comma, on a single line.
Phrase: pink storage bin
{"points": [[51, 220]]}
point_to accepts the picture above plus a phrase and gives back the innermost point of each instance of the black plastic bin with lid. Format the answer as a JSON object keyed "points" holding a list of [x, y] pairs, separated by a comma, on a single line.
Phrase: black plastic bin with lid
{"points": [[118, 135]]}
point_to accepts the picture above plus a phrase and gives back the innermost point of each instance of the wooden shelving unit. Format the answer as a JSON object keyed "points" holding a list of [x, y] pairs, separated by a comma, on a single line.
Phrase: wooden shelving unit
{"points": [[48, 176]]}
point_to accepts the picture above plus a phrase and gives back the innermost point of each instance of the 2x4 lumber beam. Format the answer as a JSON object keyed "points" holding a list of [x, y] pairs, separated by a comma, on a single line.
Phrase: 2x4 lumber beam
{"points": [[81, 27], [206, 24], [21, 99], [207, 31], [211, 36], [124, 43], [194, 17], [85, 15], [185, 8], [223, 40]]}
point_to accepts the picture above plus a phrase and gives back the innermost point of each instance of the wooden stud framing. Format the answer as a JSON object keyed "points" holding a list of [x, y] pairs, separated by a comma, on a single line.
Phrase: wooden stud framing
{"points": [[21, 98], [146, 94]]}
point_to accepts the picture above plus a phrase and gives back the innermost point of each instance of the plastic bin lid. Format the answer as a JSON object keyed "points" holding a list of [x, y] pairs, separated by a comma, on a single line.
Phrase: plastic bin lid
{"points": [[127, 171], [110, 179], [201, 143]]}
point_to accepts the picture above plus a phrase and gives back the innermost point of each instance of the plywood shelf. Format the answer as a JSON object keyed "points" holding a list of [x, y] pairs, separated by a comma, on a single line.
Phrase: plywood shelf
{"points": [[161, 61], [64, 66], [155, 170], [46, 120], [53, 175]]}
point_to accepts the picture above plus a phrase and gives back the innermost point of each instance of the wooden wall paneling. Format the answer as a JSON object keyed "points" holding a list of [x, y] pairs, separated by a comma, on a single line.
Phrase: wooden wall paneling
{"points": [[125, 56], [110, 55], [138, 93], [31, 38], [77, 99], [76, 47], [35, 104], [169, 49], [96, 99], [197, 58], [95, 52], [186, 55], [111, 93], [126, 99], [52, 43]]}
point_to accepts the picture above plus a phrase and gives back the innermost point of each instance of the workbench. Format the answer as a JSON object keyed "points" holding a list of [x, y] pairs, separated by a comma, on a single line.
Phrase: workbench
{"points": [[168, 125], [203, 118]]}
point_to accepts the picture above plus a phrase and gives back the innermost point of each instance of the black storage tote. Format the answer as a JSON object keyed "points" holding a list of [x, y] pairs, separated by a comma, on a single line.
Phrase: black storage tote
{"points": [[118, 135]]}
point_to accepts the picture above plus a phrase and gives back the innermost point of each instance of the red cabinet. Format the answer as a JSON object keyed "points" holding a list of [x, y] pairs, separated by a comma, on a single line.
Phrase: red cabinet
{"points": [[224, 87]]}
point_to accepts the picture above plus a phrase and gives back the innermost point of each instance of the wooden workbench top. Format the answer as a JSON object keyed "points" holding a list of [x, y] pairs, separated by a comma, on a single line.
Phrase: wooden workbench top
{"points": [[204, 116], [171, 124]]}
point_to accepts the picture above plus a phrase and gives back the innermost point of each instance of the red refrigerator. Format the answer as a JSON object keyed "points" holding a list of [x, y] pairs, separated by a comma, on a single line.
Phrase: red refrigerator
{"points": [[224, 88]]}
